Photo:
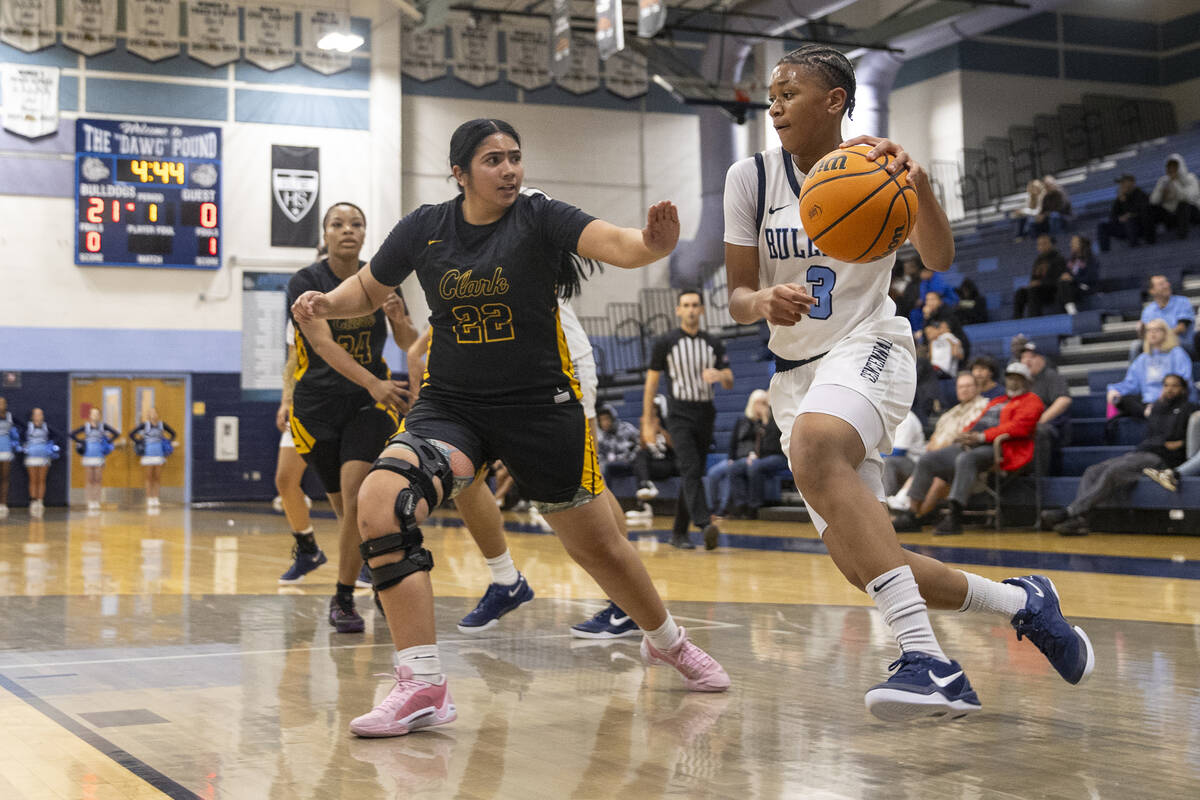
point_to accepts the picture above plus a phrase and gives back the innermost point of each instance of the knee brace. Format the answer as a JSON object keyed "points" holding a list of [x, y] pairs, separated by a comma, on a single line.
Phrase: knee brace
{"points": [[416, 557], [433, 464]]}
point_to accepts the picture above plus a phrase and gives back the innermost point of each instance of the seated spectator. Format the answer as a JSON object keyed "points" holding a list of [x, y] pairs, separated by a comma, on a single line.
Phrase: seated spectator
{"points": [[908, 445], [931, 282], [1129, 218], [905, 289], [1175, 309], [746, 433], [767, 459], [616, 442], [1015, 414], [897, 470], [1161, 449], [1175, 201], [1039, 295], [1080, 277], [985, 372], [945, 353], [1032, 208], [1142, 385], [1169, 477], [972, 306], [927, 400], [1054, 426], [1055, 211], [656, 460]]}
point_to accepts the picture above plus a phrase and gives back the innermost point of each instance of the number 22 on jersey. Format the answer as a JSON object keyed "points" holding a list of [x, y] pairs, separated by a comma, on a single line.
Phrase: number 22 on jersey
{"points": [[490, 322]]}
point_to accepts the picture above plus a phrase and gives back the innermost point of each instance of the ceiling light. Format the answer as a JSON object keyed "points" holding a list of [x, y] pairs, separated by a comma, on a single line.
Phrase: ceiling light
{"points": [[339, 41]]}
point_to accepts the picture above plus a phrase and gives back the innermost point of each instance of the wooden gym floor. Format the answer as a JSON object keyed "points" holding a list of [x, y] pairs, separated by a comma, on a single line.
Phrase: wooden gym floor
{"points": [[156, 656]]}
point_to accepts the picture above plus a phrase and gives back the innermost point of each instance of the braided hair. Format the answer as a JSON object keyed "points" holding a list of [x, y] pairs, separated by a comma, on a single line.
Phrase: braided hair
{"points": [[831, 64]]}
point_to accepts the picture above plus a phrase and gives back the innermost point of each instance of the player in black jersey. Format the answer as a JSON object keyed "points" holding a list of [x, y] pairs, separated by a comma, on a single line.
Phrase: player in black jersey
{"points": [[344, 403], [498, 384]]}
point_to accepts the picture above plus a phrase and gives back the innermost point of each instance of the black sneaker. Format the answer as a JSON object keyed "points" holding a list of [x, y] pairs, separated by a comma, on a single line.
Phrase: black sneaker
{"points": [[906, 522], [682, 542], [1072, 526], [1053, 516], [711, 534], [949, 526]]}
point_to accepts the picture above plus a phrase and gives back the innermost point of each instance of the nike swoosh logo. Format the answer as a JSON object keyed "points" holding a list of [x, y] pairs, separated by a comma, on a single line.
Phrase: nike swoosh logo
{"points": [[432, 241], [946, 681], [1036, 588], [513, 591], [780, 208], [615, 620], [879, 587]]}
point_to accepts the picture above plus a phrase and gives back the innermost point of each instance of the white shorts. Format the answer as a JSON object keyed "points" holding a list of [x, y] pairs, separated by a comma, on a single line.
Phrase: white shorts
{"points": [[153, 461], [868, 379], [585, 373], [92, 461], [285, 439], [7, 455], [37, 461]]}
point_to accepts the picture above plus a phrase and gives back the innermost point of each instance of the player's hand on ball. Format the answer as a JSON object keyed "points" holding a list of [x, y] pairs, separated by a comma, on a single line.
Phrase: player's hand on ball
{"points": [[310, 306], [902, 160], [784, 303], [661, 233]]}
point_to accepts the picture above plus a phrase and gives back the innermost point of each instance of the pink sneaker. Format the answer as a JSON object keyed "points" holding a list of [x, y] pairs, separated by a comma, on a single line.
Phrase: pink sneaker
{"points": [[411, 704], [700, 671]]}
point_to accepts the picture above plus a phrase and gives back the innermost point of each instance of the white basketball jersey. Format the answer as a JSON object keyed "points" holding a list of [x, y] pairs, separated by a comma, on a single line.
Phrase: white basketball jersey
{"points": [[761, 210]]}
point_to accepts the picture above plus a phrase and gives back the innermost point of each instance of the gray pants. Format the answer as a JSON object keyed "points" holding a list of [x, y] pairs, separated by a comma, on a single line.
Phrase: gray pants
{"points": [[955, 465], [896, 470], [1111, 477]]}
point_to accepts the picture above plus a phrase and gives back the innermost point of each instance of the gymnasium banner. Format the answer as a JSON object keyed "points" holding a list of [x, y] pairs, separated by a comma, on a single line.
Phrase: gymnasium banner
{"points": [[212, 32], [424, 52], [560, 38], [527, 44], [270, 37], [315, 23], [583, 72], [295, 196], [610, 28], [30, 99], [28, 24], [625, 74], [90, 26], [152, 28], [476, 49], [652, 15]]}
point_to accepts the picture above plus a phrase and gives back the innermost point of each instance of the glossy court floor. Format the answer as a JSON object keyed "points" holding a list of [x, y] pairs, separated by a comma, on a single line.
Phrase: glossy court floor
{"points": [[156, 656]]}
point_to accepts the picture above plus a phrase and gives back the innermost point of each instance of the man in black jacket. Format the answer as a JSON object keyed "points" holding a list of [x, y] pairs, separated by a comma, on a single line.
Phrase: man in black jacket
{"points": [[1129, 218], [1034, 300], [1162, 447]]}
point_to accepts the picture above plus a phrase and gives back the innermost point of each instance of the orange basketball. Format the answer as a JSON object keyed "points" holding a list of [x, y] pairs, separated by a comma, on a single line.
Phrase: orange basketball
{"points": [[855, 210]]}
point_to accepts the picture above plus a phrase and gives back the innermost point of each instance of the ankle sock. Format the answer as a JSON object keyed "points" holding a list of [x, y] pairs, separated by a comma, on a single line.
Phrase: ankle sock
{"points": [[665, 636], [992, 597], [423, 660], [504, 571], [306, 540]]}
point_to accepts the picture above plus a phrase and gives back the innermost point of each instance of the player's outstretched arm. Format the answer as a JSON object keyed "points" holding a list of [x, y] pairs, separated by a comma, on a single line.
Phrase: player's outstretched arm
{"points": [[783, 304], [353, 297], [629, 247]]}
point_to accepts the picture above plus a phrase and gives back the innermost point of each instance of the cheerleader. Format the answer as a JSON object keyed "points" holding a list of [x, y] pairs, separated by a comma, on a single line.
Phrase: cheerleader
{"points": [[94, 441], [154, 442], [9, 438], [40, 446]]}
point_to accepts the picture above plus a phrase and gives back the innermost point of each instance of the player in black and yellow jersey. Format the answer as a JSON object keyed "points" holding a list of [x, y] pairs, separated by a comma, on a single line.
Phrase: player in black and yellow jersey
{"points": [[344, 403], [498, 384]]}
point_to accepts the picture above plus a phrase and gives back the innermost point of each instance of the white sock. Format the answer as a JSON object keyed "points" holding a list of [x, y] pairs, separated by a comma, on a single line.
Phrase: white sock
{"points": [[992, 597], [423, 660], [504, 571], [898, 598], [665, 636]]}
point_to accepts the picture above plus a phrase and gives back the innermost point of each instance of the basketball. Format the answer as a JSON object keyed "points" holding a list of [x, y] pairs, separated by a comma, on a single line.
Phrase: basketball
{"points": [[854, 209]]}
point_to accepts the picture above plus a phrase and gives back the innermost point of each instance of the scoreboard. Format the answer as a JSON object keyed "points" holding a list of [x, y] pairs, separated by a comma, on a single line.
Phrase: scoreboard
{"points": [[147, 194]]}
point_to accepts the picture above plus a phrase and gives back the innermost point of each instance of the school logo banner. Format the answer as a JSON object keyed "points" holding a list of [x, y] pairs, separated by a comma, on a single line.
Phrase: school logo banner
{"points": [[295, 196]]}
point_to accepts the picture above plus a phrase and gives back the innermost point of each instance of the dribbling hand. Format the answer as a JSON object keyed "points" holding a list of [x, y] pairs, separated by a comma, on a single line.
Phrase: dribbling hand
{"points": [[784, 304], [902, 160], [661, 233], [311, 305]]}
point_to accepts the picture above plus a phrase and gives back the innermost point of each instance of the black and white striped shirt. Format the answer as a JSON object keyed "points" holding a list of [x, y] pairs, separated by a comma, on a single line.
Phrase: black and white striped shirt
{"points": [[684, 358]]}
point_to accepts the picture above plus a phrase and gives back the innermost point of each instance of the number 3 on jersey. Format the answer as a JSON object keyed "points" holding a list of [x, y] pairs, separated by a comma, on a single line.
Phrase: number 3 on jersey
{"points": [[821, 280], [491, 322]]}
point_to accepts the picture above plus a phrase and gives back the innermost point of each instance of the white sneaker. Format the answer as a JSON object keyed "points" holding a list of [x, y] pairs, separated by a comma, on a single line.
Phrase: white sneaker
{"points": [[898, 503], [3, 510], [536, 518], [93, 505], [37, 508], [648, 491], [645, 512]]}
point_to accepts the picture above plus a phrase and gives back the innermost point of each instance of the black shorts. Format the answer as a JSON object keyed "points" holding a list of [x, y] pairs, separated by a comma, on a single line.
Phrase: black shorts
{"points": [[548, 448], [332, 430]]}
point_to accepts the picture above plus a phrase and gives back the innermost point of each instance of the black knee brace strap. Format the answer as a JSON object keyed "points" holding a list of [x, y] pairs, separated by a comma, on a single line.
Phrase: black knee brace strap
{"points": [[416, 559], [420, 478]]}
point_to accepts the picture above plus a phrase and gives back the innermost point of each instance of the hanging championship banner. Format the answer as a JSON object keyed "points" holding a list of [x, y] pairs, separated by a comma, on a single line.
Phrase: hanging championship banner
{"points": [[295, 196], [610, 28], [30, 99], [152, 28], [476, 48], [270, 37], [313, 25], [652, 15], [583, 74], [212, 32], [625, 75], [527, 45], [424, 53], [27, 24], [560, 38], [90, 26]]}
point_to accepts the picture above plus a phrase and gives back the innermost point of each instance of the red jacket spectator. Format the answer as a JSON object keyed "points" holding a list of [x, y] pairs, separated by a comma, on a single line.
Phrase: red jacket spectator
{"points": [[1018, 418]]}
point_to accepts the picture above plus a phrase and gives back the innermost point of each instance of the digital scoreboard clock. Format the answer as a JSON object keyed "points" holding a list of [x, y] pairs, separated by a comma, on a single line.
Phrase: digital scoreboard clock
{"points": [[147, 194]]}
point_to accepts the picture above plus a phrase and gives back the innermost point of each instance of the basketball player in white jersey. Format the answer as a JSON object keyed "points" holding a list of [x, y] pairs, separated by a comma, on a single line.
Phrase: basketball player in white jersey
{"points": [[846, 377]]}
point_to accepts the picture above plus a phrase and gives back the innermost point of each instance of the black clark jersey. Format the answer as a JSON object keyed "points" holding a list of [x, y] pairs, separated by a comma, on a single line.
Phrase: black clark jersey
{"points": [[362, 337], [491, 295]]}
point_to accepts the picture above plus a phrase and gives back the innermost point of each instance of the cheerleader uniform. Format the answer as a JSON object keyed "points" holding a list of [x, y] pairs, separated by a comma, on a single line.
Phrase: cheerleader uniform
{"points": [[96, 440], [8, 428], [40, 448], [153, 439]]}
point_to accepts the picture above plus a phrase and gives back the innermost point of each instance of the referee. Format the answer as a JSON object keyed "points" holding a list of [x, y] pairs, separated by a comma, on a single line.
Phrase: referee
{"points": [[694, 361]]}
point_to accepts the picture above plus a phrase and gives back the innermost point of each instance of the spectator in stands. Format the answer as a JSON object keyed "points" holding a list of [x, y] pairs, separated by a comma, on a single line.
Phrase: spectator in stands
{"points": [[1175, 201], [1033, 206], [985, 372], [616, 442], [1175, 309], [972, 306], [1016, 414], [905, 290], [655, 459], [767, 459], [1129, 218], [1142, 386], [746, 433], [1054, 426], [1081, 275], [1034, 299], [1168, 477], [1055, 210], [908, 445], [931, 282], [1161, 449], [945, 353], [927, 397]]}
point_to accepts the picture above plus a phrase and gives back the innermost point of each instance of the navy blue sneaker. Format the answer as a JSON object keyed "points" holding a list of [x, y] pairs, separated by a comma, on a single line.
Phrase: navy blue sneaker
{"points": [[364, 581], [1065, 646], [922, 686], [302, 564], [497, 601], [609, 623]]}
